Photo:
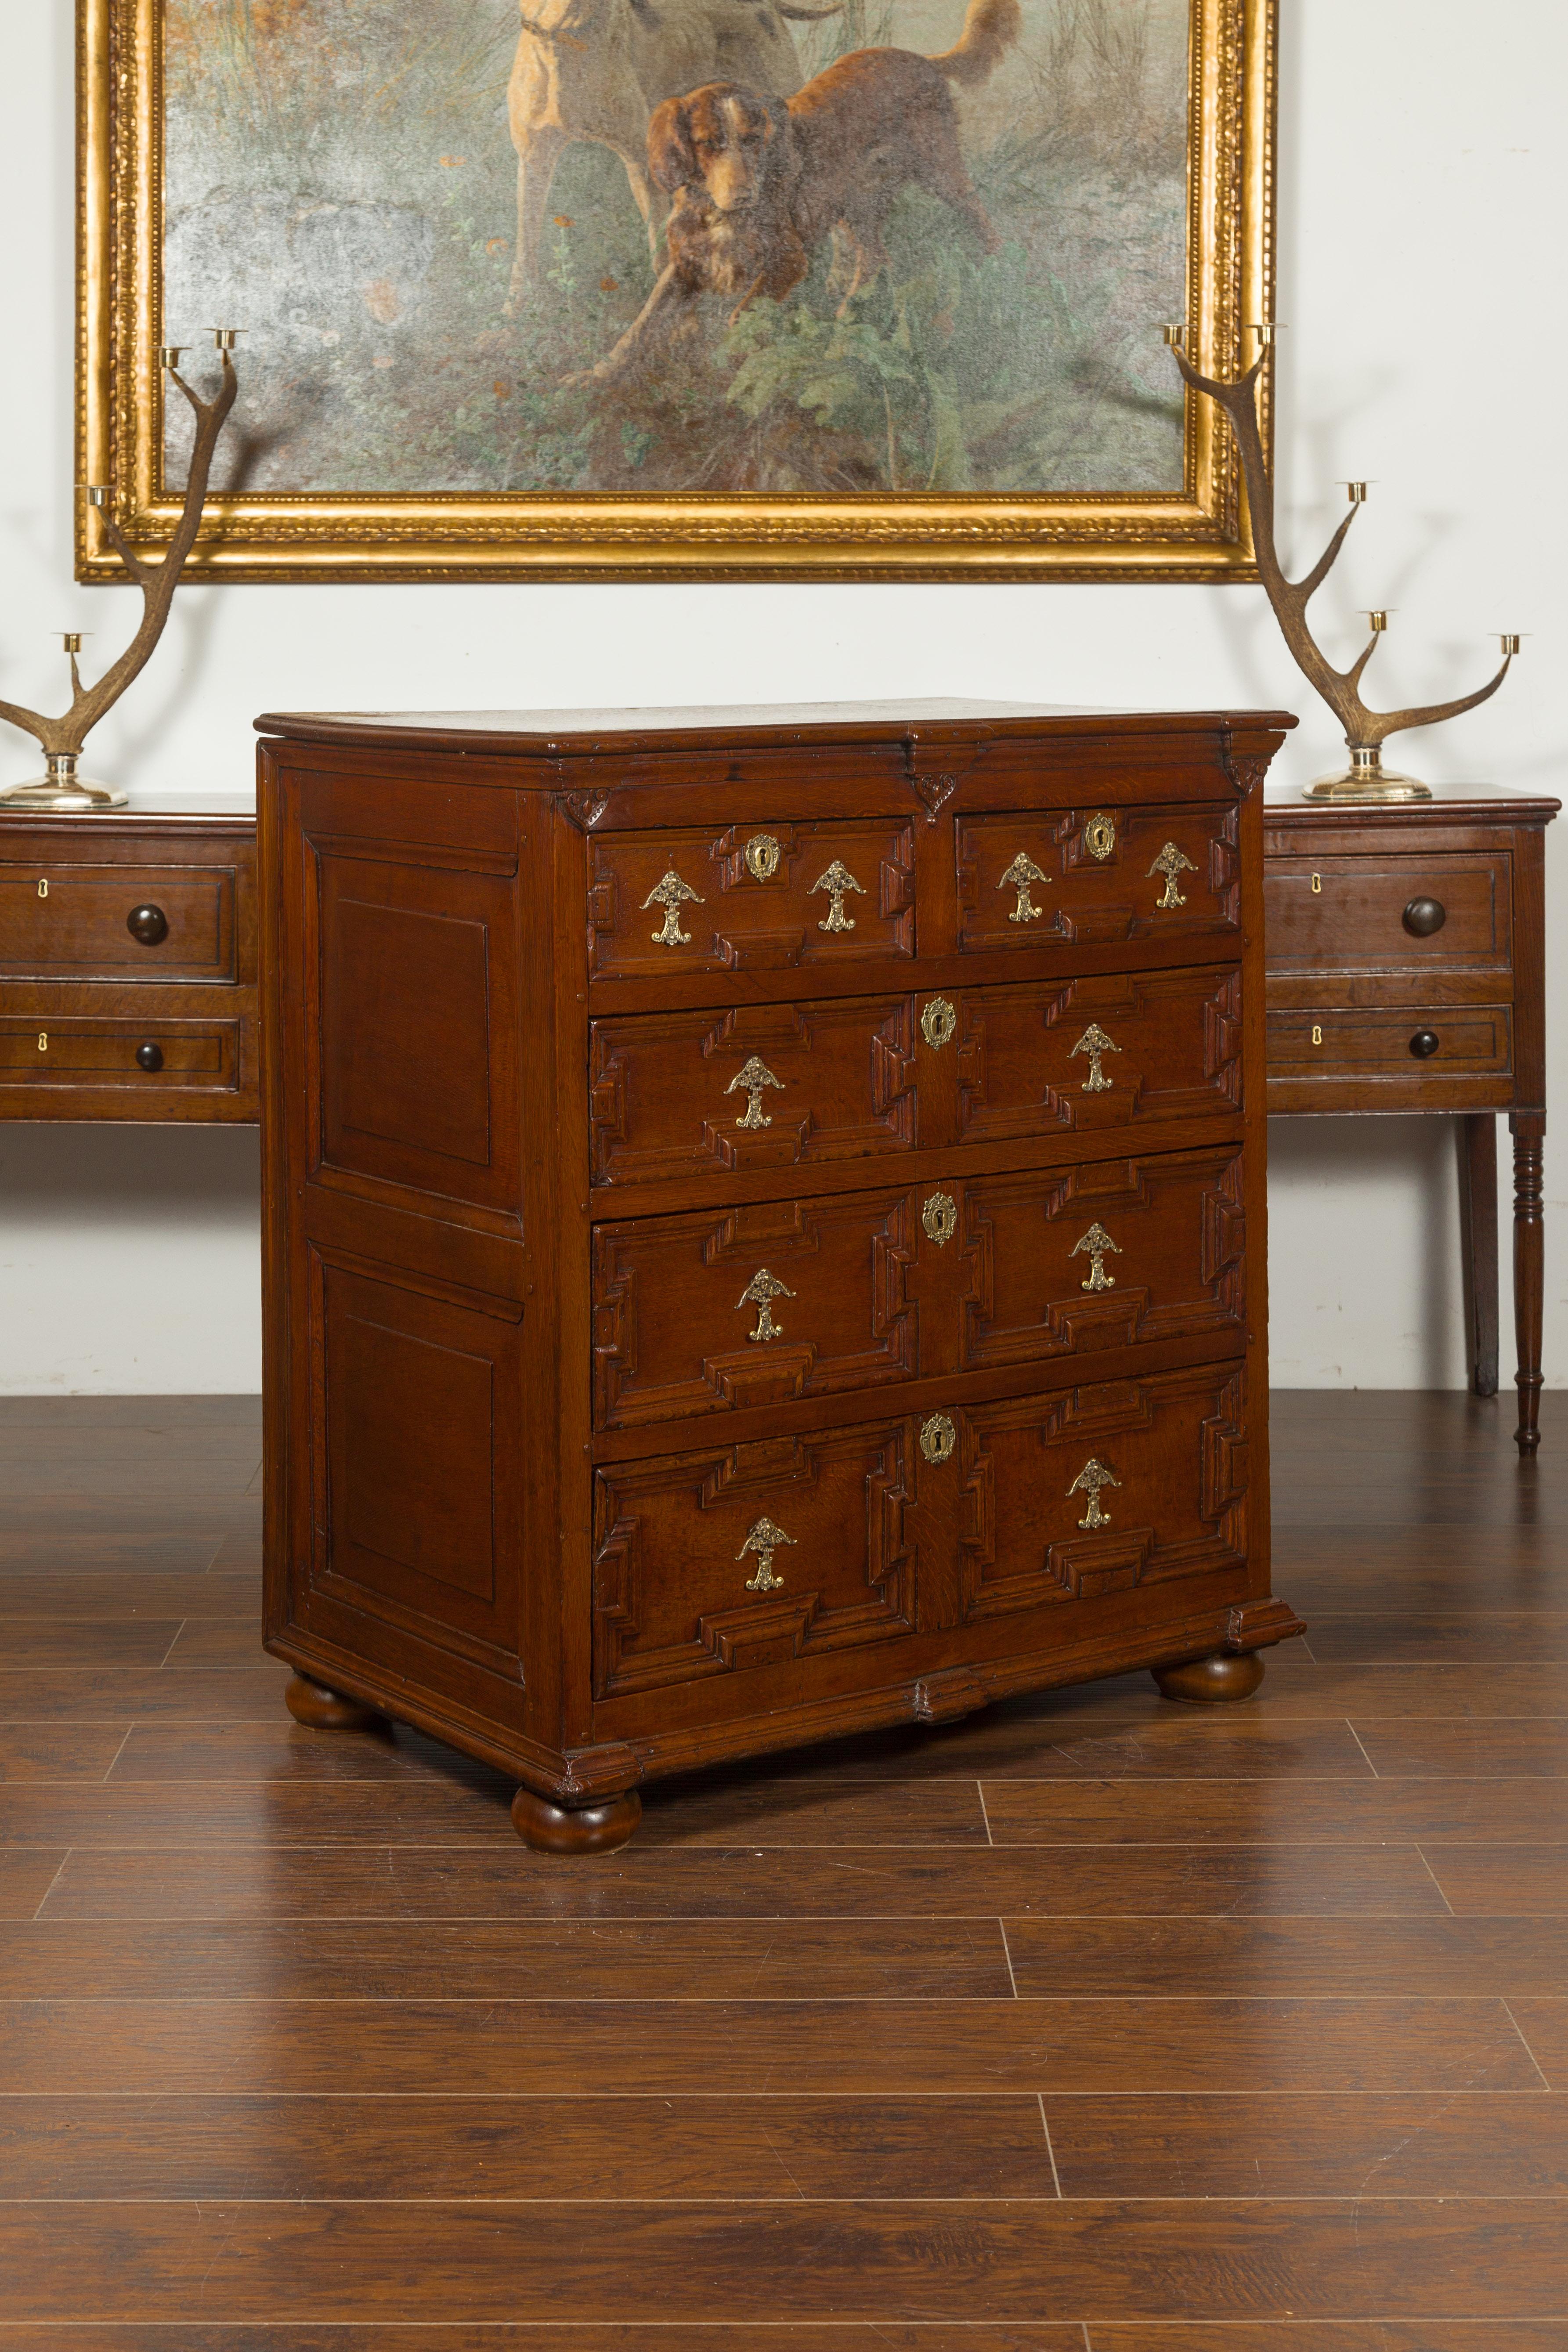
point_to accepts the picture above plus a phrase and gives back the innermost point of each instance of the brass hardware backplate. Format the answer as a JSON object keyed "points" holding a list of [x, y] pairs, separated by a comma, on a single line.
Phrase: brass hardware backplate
{"points": [[938, 1437], [1098, 1244], [43, 1041], [763, 1538], [1091, 1480], [760, 1292], [938, 1021], [1099, 836], [762, 857], [1317, 885], [940, 1218], [836, 882], [1018, 877], [1170, 862], [43, 889], [672, 894], [751, 1077], [1094, 1043], [1317, 1034]]}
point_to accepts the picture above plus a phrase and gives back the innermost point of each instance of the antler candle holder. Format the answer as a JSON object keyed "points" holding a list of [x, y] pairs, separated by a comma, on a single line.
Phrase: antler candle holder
{"points": [[60, 787], [1366, 778]]}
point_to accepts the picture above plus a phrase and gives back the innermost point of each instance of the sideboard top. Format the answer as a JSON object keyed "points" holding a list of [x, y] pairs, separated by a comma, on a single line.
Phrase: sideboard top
{"points": [[777, 725]]}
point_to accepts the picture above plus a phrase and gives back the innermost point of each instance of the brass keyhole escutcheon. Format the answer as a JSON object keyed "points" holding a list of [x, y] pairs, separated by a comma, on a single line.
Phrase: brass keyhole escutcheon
{"points": [[1316, 885], [43, 1041], [940, 1218], [938, 1437], [1100, 837], [1317, 1034], [762, 857], [938, 1021], [43, 889]]}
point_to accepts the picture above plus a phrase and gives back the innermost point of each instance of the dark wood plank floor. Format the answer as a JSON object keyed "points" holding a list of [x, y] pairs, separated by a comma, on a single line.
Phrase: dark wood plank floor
{"points": [[1094, 2025]]}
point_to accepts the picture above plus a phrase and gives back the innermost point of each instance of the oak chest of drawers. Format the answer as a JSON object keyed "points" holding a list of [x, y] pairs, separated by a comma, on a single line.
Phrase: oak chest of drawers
{"points": [[764, 1224]]}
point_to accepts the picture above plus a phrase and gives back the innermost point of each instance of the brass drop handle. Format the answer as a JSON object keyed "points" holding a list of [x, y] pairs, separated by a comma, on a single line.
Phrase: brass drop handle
{"points": [[148, 924], [1424, 1045], [150, 1057], [1424, 916]]}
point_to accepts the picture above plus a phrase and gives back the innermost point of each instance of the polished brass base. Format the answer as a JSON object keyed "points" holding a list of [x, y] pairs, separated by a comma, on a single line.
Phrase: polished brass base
{"points": [[1367, 780], [60, 791]]}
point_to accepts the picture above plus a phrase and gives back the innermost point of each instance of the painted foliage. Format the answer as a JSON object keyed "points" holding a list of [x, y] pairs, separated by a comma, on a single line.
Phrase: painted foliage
{"points": [[343, 178]]}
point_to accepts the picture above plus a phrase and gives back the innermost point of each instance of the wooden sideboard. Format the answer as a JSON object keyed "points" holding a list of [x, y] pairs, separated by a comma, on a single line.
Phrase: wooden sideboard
{"points": [[128, 984], [1406, 972], [764, 1224]]}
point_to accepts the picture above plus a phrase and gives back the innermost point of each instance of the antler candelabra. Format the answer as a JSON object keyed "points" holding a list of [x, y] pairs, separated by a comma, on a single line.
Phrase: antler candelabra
{"points": [[60, 787], [1365, 779]]}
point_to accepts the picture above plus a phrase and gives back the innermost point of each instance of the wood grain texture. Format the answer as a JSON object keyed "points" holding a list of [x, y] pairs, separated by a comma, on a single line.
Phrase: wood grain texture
{"points": [[804, 2070]]}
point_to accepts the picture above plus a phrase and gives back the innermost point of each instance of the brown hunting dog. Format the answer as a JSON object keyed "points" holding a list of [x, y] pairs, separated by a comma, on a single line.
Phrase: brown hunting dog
{"points": [[758, 182]]}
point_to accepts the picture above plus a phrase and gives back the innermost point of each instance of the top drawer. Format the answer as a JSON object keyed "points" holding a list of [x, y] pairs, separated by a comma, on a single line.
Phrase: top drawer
{"points": [[76, 922], [1089, 876], [1402, 912], [751, 899]]}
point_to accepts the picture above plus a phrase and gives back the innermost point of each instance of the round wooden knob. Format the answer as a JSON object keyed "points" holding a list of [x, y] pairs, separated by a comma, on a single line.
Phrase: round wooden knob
{"points": [[1424, 916], [150, 1057], [148, 924], [1423, 1044]]}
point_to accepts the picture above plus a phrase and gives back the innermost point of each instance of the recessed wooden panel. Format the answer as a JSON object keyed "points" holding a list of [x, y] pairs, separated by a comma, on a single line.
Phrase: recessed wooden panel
{"points": [[1098, 1054], [1166, 1460], [414, 1503], [1093, 876], [1332, 1042], [69, 1051], [754, 1305], [416, 1037], [1112, 1253], [674, 1095], [1347, 914], [755, 898], [685, 1588], [68, 921]]}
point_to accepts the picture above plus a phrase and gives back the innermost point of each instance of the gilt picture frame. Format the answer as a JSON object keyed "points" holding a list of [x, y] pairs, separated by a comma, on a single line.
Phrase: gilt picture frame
{"points": [[436, 384]]}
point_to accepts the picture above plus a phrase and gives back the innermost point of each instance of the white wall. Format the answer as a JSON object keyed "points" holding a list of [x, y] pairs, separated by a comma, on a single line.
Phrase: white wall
{"points": [[1421, 200]]}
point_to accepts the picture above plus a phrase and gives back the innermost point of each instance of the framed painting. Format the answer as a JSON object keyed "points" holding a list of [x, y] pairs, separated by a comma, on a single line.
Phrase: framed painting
{"points": [[677, 289]]}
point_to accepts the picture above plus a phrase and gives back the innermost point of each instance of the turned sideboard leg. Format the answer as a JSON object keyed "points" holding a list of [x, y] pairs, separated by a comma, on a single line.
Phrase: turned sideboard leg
{"points": [[328, 1710], [1529, 1270], [1201, 1681], [575, 1828], [1478, 1241]]}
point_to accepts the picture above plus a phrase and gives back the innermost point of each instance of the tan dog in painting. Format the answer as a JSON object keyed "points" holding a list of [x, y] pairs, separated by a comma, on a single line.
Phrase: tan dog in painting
{"points": [[758, 183], [596, 69]]}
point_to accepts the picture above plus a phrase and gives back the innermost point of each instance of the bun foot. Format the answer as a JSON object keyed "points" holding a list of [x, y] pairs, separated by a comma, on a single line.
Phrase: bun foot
{"points": [[322, 1709], [582, 1828], [1201, 1681]]}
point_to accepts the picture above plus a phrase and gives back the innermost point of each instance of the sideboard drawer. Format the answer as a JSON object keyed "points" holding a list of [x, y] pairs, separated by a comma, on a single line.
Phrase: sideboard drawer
{"points": [[772, 1302], [1097, 875], [751, 899], [67, 923], [1329, 1042], [1406, 910], [76, 1052]]}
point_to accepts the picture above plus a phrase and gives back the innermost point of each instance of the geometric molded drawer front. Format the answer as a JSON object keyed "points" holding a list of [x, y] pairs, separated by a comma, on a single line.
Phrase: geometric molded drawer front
{"points": [[1329, 1042], [1037, 1060], [677, 1095], [1090, 1492], [1348, 914], [1112, 1254], [752, 1306], [776, 1300], [66, 922], [69, 1051], [757, 897], [749, 1556], [1098, 875]]}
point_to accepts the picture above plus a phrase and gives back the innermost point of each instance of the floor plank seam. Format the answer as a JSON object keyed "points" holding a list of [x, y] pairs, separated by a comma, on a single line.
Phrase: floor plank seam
{"points": [[1438, 1885], [52, 1885], [1051, 2147], [1528, 2051], [112, 1762], [985, 1814], [1362, 1745]]}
